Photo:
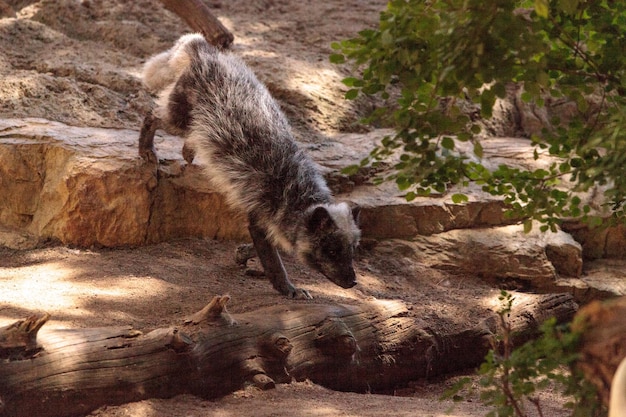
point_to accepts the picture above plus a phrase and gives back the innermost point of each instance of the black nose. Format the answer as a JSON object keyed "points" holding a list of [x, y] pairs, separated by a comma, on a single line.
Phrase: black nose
{"points": [[348, 284]]}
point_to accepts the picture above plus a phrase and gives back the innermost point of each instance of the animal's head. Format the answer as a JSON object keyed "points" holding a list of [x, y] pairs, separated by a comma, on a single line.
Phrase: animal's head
{"points": [[328, 239]]}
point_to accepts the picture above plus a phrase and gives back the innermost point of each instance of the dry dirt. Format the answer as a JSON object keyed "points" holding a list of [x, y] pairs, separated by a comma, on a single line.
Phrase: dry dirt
{"points": [[77, 62], [157, 286]]}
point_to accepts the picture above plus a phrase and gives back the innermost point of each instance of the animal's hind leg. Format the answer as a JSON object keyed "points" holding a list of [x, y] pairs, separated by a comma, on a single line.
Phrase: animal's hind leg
{"points": [[273, 265], [146, 138]]}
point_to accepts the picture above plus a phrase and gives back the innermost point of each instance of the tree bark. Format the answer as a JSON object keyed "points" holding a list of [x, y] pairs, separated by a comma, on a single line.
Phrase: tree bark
{"points": [[603, 325], [376, 346], [200, 19]]}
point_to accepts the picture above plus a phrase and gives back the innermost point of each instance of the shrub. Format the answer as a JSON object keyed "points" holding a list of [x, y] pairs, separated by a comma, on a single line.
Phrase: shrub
{"points": [[430, 59]]}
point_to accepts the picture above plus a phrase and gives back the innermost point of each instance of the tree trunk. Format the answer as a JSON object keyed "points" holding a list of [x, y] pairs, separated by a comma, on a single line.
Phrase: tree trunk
{"points": [[604, 341], [200, 19], [375, 346]]}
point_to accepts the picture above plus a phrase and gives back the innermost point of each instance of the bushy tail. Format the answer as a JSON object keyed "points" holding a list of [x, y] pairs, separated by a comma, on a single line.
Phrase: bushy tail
{"points": [[163, 69]]}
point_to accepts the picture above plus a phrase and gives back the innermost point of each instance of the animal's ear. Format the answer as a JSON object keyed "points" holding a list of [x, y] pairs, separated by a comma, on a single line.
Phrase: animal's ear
{"points": [[356, 214], [320, 220]]}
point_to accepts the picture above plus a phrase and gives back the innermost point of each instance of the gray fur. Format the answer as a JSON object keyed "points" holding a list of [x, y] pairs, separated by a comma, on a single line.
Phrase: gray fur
{"points": [[244, 142]]}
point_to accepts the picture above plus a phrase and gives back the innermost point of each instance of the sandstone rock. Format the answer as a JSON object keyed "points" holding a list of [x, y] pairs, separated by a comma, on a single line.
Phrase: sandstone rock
{"points": [[602, 279], [599, 242], [17, 239], [86, 186], [71, 184], [564, 253], [185, 205], [385, 215], [498, 253], [512, 116]]}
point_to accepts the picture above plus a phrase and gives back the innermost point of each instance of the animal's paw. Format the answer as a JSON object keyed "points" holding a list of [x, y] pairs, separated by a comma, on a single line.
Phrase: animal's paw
{"points": [[300, 294], [243, 253], [252, 272], [149, 155]]}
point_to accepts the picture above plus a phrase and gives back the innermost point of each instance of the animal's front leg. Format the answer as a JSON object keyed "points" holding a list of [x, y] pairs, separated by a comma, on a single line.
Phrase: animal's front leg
{"points": [[146, 138], [273, 265]]}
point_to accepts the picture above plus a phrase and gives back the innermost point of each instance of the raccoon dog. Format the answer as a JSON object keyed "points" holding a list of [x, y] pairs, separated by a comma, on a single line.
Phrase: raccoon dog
{"points": [[245, 145]]}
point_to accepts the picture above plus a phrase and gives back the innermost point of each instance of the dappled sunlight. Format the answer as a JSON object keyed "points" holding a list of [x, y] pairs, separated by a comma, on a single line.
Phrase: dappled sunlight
{"points": [[28, 11], [493, 302], [134, 72], [247, 45], [322, 85], [386, 305], [32, 288], [55, 287], [372, 282], [314, 87], [259, 54], [318, 402], [365, 281], [330, 411], [142, 409], [17, 86], [223, 413], [318, 85]]}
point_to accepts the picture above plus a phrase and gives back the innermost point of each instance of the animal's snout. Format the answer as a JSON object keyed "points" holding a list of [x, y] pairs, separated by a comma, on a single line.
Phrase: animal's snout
{"points": [[347, 279], [349, 284], [343, 280]]}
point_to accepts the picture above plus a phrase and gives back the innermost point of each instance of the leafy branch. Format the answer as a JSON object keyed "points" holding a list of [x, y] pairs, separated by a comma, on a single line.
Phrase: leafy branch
{"points": [[441, 66], [510, 377]]}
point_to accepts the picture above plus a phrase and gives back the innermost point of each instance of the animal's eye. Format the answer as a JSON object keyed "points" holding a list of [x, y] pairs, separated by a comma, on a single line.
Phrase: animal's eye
{"points": [[332, 248], [332, 253]]}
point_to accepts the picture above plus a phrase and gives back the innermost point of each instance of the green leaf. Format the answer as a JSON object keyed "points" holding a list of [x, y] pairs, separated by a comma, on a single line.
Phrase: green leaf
{"points": [[337, 58], [403, 183], [487, 100], [478, 149], [499, 90], [568, 6], [440, 66], [542, 8], [543, 79], [595, 221], [351, 94], [459, 198], [447, 143], [528, 226], [351, 170], [386, 38]]}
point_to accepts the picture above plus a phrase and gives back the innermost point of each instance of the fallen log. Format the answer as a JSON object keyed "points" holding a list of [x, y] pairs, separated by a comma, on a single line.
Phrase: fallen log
{"points": [[371, 347]]}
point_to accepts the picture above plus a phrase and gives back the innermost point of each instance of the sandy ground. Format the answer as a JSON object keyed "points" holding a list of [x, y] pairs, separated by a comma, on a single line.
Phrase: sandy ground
{"points": [[77, 62], [158, 285]]}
